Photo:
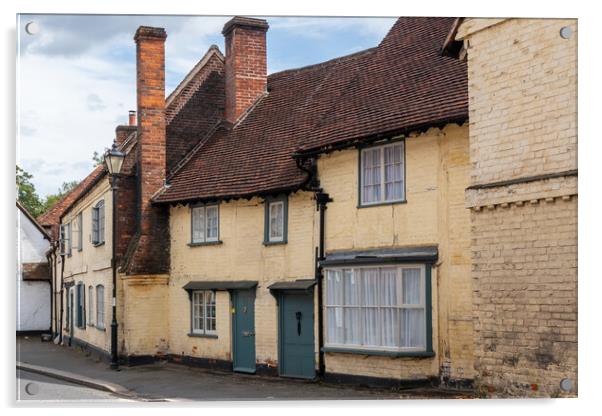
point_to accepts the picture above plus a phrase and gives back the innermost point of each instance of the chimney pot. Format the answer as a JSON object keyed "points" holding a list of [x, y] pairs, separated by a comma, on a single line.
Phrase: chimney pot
{"points": [[132, 118]]}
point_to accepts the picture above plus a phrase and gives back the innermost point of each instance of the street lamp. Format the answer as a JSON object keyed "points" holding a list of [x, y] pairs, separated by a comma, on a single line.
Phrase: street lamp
{"points": [[113, 160]]}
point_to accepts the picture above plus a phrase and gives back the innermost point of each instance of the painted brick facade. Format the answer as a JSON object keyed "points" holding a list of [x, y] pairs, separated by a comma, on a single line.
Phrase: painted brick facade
{"points": [[523, 129]]}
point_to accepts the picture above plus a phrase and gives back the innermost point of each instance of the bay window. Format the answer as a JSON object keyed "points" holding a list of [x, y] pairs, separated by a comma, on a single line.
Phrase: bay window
{"points": [[382, 174], [377, 308]]}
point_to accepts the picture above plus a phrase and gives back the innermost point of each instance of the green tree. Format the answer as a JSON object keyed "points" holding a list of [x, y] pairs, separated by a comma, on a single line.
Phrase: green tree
{"points": [[97, 158], [65, 188], [26, 193]]}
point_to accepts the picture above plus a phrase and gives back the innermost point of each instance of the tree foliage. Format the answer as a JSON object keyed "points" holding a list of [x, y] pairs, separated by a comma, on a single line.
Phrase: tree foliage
{"points": [[29, 198]]}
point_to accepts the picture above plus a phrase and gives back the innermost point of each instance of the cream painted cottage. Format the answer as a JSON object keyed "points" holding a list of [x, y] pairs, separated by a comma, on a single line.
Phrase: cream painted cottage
{"points": [[313, 223]]}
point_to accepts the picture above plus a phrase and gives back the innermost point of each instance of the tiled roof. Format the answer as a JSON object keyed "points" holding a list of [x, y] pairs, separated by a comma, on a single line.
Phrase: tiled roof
{"points": [[51, 218], [404, 84]]}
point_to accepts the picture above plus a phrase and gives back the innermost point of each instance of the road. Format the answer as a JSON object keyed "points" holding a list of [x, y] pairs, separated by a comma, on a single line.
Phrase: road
{"points": [[32, 386]]}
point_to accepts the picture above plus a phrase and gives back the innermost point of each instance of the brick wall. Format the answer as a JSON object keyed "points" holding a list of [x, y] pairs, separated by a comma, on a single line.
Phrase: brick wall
{"points": [[523, 129], [152, 252], [246, 64]]}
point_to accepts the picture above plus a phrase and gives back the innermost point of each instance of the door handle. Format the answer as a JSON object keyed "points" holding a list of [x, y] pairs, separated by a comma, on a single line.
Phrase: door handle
{"points": [[248, 334], [298, 315]]}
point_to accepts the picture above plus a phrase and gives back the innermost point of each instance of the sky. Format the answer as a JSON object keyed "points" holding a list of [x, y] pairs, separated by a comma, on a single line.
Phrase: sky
{"points": [[76, 77]]}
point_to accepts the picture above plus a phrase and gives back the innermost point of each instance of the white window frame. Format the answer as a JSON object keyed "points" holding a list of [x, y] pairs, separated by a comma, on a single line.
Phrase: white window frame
{"points": [[100, 307], [199, 305], [80, 229], [65, 239], [204, 226], [381, 150], [98, 223], [91, 313], [274, 238], [423, 305]]}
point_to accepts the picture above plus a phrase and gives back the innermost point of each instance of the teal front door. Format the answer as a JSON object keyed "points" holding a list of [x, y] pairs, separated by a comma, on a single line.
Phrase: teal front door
{"points": [[296, 335], [243, 330]]}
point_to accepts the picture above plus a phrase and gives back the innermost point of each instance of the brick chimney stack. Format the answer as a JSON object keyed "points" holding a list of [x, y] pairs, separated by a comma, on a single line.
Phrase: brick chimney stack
{"points": [[122, 132], [152, 254], [246, 64]]}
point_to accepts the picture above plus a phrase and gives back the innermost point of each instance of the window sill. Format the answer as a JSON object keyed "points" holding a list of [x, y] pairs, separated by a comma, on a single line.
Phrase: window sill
{"points": [[202, 335], [416, 354], [101, 328], [98, 244], [91, 325], [380, 204], [206, 243], [274, 243]]}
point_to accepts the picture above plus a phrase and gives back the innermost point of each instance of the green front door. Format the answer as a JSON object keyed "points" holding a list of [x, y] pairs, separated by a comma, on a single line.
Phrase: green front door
{"points": [[296, 335], [243, 330]]}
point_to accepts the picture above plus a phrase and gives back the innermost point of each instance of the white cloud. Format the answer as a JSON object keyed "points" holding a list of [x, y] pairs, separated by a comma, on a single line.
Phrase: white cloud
{"points": [[77, 79]]}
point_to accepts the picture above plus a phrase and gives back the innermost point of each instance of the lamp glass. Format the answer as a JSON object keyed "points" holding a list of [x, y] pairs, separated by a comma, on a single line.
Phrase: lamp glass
{"points": [[114, 161]]}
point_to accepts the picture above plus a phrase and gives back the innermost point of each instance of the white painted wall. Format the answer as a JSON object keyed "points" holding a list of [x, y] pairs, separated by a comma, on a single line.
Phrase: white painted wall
{"points": [[33, 298]]}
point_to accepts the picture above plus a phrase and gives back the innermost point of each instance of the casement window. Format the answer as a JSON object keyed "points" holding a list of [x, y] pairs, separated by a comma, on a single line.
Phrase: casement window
{"points": [[100, 306], [98, 223], [81, 306], [276, 219], [377, 308], [382, 174], [204, 224], [65, 239], [90, 305], [203, 312], [80, 235]]}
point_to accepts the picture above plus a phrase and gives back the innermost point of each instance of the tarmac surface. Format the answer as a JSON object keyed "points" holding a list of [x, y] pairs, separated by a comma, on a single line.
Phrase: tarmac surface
{"points": [[173, 382]]}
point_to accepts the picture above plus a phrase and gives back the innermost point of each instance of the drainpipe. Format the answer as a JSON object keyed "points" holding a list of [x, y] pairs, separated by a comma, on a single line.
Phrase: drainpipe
{"points": [[312, 184], [321, 200], [62, 288]]}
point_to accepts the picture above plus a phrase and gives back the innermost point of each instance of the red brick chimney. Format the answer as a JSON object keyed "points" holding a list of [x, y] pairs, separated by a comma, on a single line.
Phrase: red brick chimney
{"points": [[152, 253], [122, 132], [246, 66]]}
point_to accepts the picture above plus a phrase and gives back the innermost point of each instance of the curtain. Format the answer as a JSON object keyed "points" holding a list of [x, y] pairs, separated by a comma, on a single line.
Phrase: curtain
{"points": [[198, 226], [413, 318], [334, 296], [393, 172], [371, 175], [211, 222], [370, 301]]}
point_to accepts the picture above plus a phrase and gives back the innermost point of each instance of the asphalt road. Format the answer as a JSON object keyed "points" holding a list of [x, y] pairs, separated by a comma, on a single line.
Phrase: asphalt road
{"points": [[32, 386]]}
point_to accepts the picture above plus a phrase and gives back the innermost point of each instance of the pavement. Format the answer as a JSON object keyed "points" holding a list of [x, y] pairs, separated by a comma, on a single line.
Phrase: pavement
{"points": [[33, 386], [173, 382]]}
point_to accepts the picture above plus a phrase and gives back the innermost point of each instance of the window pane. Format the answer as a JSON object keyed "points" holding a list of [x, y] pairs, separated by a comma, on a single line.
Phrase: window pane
{"points": [[388, 286], [370, 287], [335, 325], [371, 326], [390, 325], [393, 172], [212, 224], [276, 220], [371, 175], [352, 326], [198, 224], [411, 287], [413, 325], [334, 287], [351, 289]]}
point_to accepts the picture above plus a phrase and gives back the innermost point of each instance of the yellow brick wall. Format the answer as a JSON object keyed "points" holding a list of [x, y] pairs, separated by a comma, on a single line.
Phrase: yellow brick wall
{"points": [[241, 256], [523, 122], [91, 265], [437, 170]]}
